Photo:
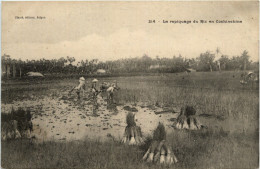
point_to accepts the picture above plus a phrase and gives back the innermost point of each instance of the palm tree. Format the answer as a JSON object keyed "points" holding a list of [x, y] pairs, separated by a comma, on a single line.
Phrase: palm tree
{"points": [[14, 62], [245, 58], [223, 61], [70, 59], [6, 61], [20, 65], [218, 62], [210, 58]]}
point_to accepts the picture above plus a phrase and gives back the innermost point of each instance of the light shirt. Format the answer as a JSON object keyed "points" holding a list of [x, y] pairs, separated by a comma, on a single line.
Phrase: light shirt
{"points": [[81, 85], [110, 89]]}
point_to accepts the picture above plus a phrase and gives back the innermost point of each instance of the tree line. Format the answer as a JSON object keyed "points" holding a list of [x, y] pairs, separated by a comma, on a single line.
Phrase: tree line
{"points": [[67, 65]]}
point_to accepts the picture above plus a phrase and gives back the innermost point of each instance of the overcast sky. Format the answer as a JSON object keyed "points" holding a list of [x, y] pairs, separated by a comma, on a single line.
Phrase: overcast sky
{"points": [[114, 30]]}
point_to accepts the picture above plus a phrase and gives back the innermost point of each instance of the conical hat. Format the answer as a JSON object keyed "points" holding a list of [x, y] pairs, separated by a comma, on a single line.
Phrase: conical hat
{"points": [[82, 78], [94, 81]]}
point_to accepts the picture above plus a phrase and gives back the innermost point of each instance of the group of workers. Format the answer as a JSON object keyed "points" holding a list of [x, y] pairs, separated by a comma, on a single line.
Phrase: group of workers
{"points": [[107, 87]]}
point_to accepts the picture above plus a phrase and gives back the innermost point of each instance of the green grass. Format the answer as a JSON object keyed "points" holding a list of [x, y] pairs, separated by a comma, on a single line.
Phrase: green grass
{"points": [[202, 149], [228, 143]]}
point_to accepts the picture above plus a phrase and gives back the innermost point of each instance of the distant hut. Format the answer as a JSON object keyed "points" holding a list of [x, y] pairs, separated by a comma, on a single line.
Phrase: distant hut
{"points": [[157, 66], [154, 67], [34, 74], [101, 71]]}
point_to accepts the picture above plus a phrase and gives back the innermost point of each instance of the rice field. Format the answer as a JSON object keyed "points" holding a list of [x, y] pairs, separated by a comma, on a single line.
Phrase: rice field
{"points": [[228, 109]]}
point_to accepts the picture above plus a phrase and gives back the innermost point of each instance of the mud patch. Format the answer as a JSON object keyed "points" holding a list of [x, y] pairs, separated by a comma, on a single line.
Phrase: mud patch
{"points": [[66, 118]]}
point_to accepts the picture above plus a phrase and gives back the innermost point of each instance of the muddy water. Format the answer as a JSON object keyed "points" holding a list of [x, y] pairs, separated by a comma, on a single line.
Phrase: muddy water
{"points": [[67, 118], [64, 118]]}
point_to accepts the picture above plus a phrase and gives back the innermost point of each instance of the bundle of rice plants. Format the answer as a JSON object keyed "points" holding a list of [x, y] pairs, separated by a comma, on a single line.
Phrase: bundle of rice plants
{"points": [[159, 151], [133, 133]]}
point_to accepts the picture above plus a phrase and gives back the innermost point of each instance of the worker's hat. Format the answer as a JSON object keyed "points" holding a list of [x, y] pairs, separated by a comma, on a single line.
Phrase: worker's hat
{"points": [[82, 79], [94, 81]]}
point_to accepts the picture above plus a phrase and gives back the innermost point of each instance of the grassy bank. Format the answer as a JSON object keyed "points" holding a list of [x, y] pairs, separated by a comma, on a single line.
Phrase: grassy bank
{"points": [[202, 149]]}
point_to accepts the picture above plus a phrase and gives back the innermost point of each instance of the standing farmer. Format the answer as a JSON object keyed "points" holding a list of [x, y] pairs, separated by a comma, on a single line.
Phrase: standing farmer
{"points": [[110, 93], [81, 86], [94, 88], [94, 94]]}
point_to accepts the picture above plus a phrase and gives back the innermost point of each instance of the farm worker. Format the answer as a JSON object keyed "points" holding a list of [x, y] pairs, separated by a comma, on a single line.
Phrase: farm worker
{"points": [[110, 93], [94, 85], [104, 86], [81, 86], [95, 92]]}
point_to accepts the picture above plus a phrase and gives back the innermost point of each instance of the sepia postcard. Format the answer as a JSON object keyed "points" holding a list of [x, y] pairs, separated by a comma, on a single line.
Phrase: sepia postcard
{"points": [[124, 84]]}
